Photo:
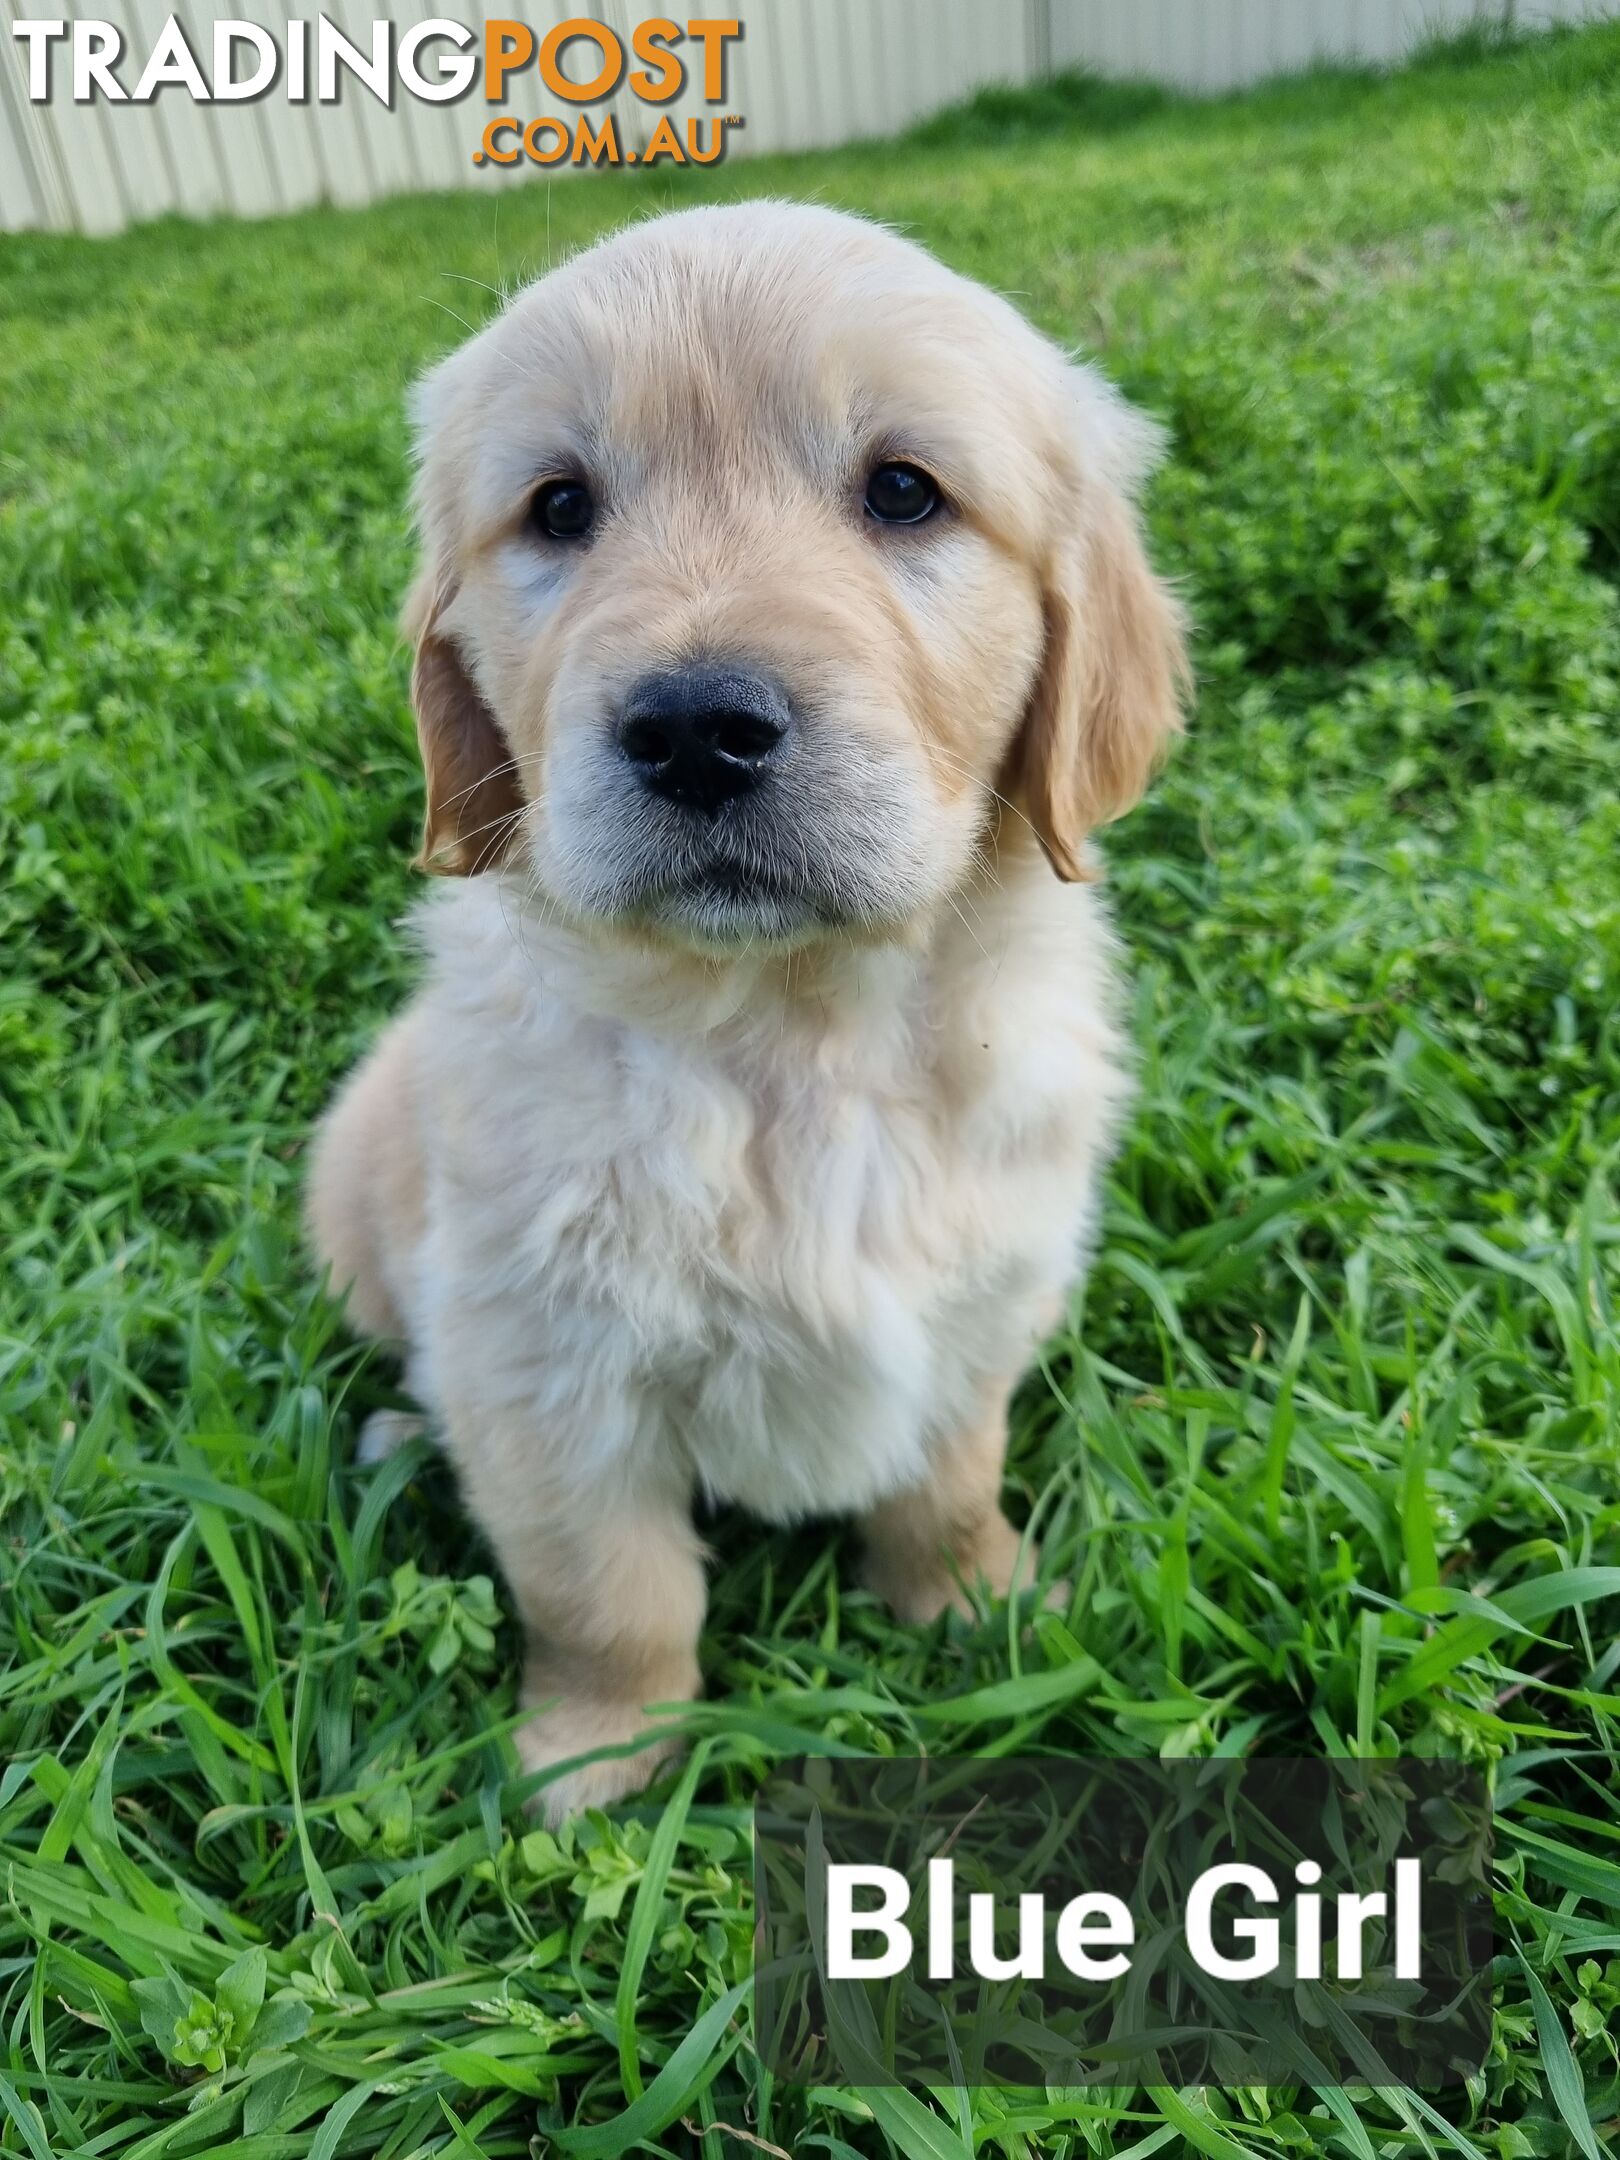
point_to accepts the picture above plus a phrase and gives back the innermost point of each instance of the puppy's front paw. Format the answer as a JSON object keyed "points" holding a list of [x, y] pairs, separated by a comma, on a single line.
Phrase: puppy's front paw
{"points": [[575, 1725], [385, 1432]]}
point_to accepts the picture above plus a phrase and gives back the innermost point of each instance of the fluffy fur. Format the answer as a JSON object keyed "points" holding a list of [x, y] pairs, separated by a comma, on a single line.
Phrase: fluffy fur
{"points": [[754, 1154]]}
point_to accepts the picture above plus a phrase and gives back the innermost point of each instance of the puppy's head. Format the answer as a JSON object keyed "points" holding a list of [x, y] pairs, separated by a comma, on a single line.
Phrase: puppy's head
{"points": [[765, 561]]}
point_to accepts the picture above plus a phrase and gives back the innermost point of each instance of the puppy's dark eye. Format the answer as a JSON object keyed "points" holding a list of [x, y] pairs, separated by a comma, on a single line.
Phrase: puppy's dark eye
{"points": [[562, 510], [900, 494]]}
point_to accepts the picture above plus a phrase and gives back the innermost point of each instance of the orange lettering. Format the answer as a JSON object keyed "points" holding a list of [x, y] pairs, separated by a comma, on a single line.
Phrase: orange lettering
{"points": [[531, 141], [650, 41], [551, 45], [603, 144], [664, 142], [714, 35], [507, 45]]}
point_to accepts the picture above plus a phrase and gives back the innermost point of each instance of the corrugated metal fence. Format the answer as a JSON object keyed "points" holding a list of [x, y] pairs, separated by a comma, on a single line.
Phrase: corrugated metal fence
{"points": [[804, 73]]}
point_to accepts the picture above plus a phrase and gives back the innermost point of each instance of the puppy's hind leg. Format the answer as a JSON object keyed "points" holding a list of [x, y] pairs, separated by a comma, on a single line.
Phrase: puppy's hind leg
{"points": [[364, 1206], [930, 1546]]}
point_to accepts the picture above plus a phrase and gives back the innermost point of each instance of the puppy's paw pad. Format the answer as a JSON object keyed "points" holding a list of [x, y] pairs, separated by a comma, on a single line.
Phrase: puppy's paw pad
{"points": [[919, 1601], [917, 1593], [919, 1598]]}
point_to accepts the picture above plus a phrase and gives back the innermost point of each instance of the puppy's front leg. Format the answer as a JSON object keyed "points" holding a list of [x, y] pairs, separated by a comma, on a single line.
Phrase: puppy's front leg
{"points": [[929, 1546], [608, 1582]]}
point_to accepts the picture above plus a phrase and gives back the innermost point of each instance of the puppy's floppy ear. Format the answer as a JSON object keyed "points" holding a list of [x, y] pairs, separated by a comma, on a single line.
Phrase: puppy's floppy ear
{"points": [[1114, 667], [473, 799]]}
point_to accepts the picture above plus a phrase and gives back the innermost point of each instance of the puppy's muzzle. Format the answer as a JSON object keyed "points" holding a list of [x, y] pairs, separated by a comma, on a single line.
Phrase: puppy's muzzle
{"points": [[702, 736]]}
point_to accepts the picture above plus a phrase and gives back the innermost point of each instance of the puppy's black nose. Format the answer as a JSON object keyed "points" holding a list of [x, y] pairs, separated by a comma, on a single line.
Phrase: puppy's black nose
{"points": [[701, 735]]}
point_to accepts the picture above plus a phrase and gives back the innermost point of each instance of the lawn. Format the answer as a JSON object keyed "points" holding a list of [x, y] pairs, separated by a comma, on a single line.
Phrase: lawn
{"points": [[1332, 1455]]}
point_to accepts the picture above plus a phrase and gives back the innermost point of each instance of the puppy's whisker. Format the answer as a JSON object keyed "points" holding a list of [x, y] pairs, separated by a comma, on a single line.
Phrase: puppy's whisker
{"points": [[496, 772], [500, 830], [450, 311], [960, 766], [966, 925], [506, 819], [462, 278]]}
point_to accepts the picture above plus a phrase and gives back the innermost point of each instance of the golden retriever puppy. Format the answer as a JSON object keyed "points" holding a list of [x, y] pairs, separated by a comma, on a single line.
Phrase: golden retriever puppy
{"points": [[783, 628]]}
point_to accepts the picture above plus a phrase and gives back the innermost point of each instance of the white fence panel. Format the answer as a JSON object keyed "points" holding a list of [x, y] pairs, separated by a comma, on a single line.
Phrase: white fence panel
{"points": [[805, 73], [21, 183], [1213, 45], [292, 144]]}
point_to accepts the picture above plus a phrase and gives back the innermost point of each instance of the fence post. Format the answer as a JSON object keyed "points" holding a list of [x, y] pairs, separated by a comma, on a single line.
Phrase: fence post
{"points": [[1039, 39]]}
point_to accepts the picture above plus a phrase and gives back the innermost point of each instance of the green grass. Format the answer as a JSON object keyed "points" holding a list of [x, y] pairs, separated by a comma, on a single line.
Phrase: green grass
{"points": [[1333, 1461]]}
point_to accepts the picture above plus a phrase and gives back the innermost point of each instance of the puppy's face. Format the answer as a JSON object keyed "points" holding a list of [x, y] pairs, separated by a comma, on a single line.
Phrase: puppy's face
{"points": [[766, 561]]}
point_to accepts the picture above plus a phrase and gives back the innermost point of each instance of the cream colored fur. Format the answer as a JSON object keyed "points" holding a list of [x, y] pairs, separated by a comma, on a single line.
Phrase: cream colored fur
{"points": [[775, 1209]]}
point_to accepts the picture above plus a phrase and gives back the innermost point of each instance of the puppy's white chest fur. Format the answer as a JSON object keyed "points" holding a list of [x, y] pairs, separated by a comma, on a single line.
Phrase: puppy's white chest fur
{"points": [[773, 1245]]}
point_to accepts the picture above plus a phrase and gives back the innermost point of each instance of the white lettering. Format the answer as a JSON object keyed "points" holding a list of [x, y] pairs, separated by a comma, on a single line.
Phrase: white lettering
{"points": [[1095, 1920], [172, 61], [455, 72], [941, 1928], [38, 36], [1028, 1961], [227, 36], [96, 45], [331, 47], [1409, 1920], [844, 1878], [1262, 1959]]}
